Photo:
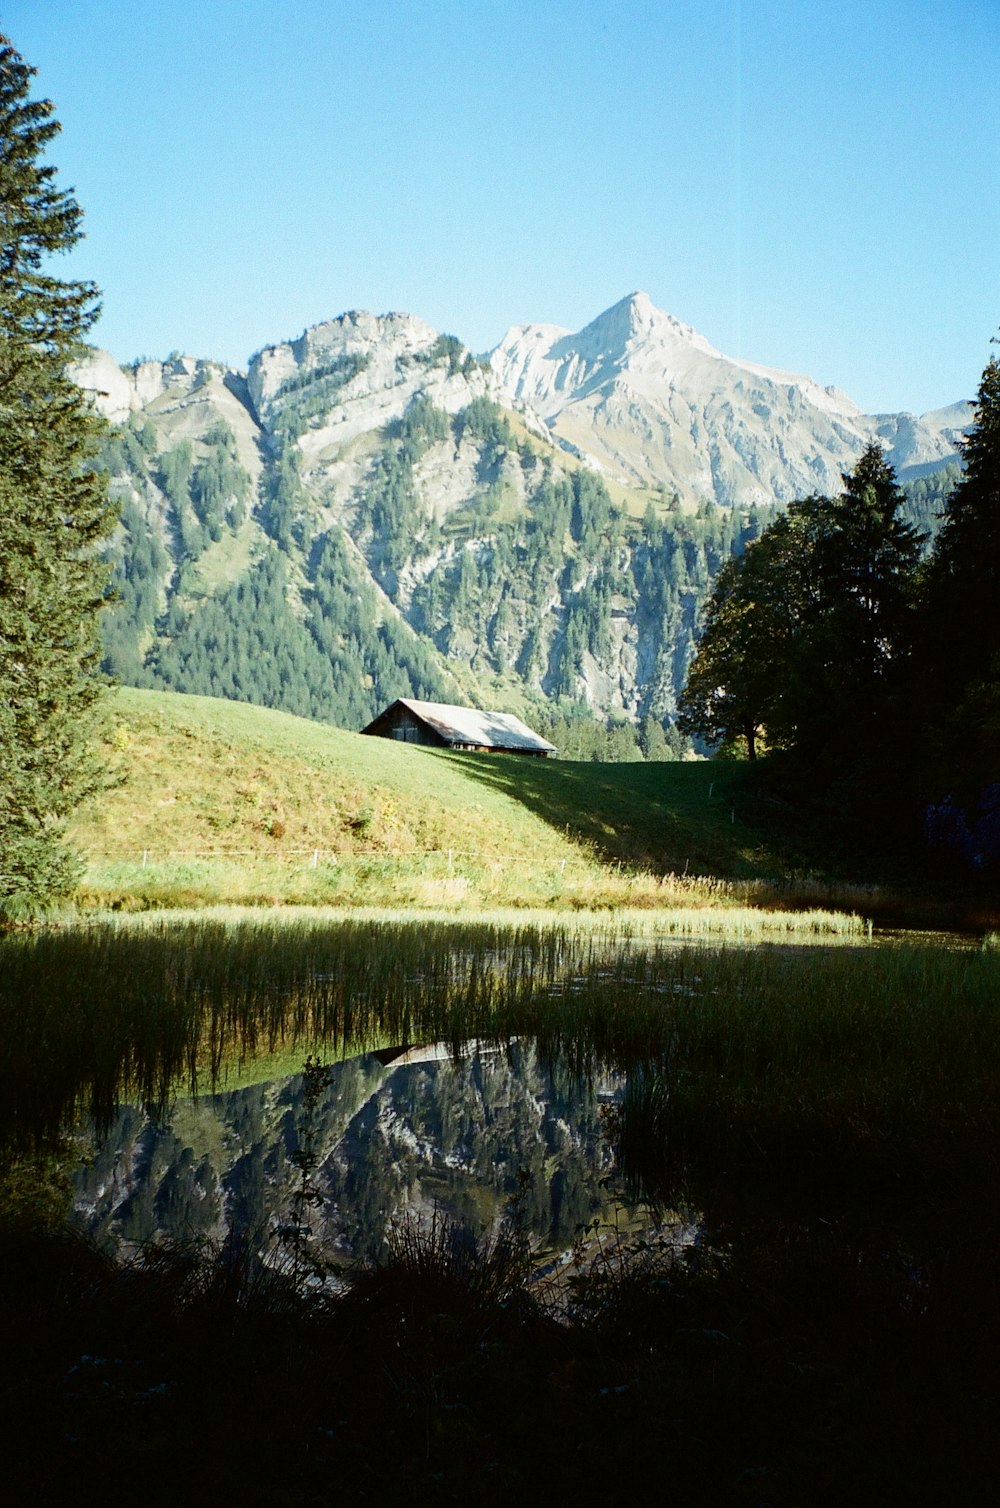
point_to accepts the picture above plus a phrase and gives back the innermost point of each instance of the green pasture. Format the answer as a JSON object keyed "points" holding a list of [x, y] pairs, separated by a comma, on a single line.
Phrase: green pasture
{"points": [[214, 802]]}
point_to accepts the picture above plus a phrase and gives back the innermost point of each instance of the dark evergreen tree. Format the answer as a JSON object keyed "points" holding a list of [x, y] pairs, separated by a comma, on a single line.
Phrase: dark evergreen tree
{"points": [[966, 566], [284, 505], [653, 740], [53, 509], [220, 487], [808, 635], [961, 649], [853, 660]]}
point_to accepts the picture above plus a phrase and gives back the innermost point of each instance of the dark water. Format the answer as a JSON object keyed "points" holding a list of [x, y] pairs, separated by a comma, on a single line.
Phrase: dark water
{"points": [[826, 1120], [124, 1041]]}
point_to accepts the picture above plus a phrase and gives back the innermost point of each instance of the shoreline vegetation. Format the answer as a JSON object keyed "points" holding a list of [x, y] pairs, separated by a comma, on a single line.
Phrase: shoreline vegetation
{"points": [[830, 1333], [808, 1098], [133, 1007]]}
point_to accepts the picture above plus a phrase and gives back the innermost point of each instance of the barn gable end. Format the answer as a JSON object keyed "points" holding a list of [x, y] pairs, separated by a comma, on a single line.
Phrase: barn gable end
{"points": [[442, 726]]}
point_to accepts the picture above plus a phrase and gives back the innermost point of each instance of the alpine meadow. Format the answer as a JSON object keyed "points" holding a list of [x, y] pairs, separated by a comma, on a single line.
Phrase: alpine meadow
{"points": [[499, 849]]}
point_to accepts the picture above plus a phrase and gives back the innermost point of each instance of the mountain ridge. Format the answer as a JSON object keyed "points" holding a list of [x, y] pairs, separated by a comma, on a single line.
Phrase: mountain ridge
{"points": [[737, 430], [372, 510], [715, 426]]}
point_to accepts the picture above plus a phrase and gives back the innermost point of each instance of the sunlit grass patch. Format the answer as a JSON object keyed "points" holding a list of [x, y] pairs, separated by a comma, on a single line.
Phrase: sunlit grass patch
{"points": [[457, 883], [212, 802]]}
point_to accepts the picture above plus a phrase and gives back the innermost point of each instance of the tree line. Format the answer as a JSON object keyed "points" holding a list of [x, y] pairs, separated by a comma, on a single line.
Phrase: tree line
{"points": [[865, 661]]}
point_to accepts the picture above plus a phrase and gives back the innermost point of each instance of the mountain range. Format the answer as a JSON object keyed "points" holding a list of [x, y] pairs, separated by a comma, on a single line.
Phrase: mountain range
{"points": [[404, 1138], [373, 510]]}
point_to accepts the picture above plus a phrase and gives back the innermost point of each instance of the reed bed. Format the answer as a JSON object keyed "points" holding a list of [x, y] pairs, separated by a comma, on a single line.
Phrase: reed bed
{"points": [[737, 923], [844, 1072], [793, 1056], [817, 1343]]}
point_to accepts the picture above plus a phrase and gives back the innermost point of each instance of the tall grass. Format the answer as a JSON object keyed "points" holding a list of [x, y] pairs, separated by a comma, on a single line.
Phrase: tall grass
{"points": [[449, 879], [90, 1015], [813, 1347], [794, 1056], [874, 1070]]}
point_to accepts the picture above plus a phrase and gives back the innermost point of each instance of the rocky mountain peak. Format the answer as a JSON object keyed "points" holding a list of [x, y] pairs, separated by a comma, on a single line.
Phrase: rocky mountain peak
{"points": [[354, 375], [357, 338], [652, 403], [636, 393], [355, 498], [632, 325]]}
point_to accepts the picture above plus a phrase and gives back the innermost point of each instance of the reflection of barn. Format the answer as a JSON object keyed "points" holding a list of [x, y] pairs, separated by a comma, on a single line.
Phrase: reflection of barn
{"points": [[444, 727], [434, 1052]]}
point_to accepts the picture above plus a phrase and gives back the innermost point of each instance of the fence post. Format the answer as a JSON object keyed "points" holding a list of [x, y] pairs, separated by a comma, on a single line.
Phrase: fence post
{"points": [[145, 855], [315, 857]]}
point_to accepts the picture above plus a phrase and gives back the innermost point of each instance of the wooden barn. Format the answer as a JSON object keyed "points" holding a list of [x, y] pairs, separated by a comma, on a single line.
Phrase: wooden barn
{"points": [[440, 726]]}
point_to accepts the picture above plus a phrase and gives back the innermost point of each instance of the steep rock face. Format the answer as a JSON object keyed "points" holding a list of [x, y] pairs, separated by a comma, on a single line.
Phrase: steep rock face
{"points": [[653, 404], [372, 510], [382, 339], [921, 444], [123, 390], [363, 371]]}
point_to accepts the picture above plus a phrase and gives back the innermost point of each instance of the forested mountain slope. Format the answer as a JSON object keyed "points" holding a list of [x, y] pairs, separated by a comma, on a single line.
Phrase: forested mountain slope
{"points": [[373, 511]]}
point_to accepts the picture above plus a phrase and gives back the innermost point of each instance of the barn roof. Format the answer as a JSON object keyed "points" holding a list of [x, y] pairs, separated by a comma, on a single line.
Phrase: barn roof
{"points": [[466, 725]]}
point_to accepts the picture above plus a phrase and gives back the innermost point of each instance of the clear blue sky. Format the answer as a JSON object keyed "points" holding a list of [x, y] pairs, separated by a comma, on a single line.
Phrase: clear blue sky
{"points": [[811, 185]]}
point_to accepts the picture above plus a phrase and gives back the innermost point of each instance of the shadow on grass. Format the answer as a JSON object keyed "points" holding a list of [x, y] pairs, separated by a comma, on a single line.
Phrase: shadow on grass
{"points": [[697, 818]]}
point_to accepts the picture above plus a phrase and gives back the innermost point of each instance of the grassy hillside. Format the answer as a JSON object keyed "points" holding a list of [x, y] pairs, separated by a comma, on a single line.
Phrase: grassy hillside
{"points": [[215, 801], [196, 773]]}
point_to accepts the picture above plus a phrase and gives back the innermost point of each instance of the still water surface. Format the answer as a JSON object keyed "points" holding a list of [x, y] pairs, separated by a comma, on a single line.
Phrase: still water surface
{"points": [[391, 1135], [175, 1053]]}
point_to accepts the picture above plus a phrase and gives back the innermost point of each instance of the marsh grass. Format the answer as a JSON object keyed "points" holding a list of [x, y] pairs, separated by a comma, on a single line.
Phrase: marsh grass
{"points": [[441, 1265], [455, 880], [837, 1055], [856, 1072], [89, 1015], [827, 1114]]}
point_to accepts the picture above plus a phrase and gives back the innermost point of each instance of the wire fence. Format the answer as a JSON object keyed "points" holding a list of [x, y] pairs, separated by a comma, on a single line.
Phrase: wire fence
{"points": [[312, 858]]}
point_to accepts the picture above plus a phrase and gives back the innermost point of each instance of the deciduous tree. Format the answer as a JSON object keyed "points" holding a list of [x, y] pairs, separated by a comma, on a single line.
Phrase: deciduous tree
{"points": [[743, 676]]}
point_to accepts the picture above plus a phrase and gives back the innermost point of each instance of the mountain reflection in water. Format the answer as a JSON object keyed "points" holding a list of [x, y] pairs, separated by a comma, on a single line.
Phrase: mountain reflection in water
{"points": [[396, 1133]]}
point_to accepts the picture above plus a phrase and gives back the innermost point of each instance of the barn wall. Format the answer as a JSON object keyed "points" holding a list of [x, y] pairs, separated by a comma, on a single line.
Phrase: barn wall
{"points": [[400, 724]]}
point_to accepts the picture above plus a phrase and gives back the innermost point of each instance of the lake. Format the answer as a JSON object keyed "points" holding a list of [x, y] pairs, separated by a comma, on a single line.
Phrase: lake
{"points": [[764, 1173], [402, 1133], [578, 1066]]}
